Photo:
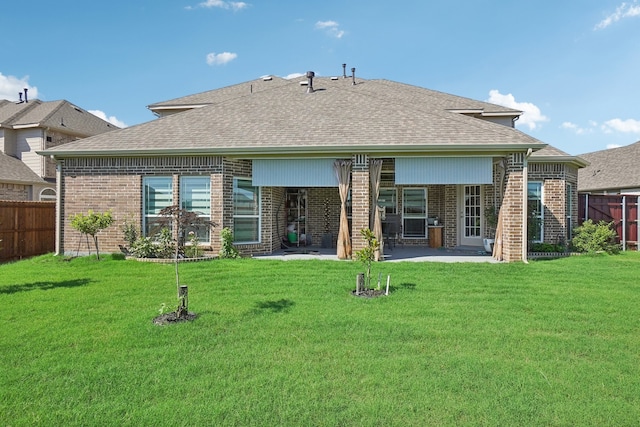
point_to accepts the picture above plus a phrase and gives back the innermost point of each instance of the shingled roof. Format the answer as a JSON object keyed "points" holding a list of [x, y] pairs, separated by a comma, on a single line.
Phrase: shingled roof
{"points": [[254, 119], [613, 170], [60, 115], [14, 171]]}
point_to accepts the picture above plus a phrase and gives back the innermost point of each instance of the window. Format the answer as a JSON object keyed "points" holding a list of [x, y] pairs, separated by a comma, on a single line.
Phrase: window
{"points": [[195, 196], [536, 211], [158, 194], [414, 209], [388, 200], [48, 195], [246, 211]]}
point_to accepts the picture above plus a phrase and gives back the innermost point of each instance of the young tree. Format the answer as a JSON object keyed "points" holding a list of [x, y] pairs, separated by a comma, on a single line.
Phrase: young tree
{"points": [[91, 224], [181, 221]]}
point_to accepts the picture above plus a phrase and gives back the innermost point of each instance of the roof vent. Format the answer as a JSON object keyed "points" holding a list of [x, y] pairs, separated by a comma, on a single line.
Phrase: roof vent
{"points": [[25, 95], [353, 76], [267, 79], [344, 71], [20, 96], [310, 75], [304, 83], [334, 78]]}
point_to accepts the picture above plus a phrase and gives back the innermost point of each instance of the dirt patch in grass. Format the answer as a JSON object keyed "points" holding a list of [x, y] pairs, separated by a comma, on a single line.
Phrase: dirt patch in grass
{"points": [[369, 293], [169, 318]]}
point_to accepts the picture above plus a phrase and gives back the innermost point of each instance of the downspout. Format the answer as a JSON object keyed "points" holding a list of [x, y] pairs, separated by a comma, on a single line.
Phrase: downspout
{"points": [[525, 203], [59, 249]]}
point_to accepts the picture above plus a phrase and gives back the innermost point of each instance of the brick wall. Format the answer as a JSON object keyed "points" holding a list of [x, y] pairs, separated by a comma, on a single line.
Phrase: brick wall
{"points": [[116, 184], [360, 199], [15, 192], [512, 208]]}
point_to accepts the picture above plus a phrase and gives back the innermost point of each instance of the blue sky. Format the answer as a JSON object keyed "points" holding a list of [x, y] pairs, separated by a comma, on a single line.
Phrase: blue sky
{"points": [[573, 67]]}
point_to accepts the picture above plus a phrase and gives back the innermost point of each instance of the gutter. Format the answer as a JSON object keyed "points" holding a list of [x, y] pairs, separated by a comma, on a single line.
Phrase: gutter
{"points": [[320, 151]]}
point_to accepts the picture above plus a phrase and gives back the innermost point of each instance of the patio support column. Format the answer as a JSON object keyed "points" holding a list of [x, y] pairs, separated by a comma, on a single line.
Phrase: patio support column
{"points": [[359, 200], [514, 209], [218, 207]]}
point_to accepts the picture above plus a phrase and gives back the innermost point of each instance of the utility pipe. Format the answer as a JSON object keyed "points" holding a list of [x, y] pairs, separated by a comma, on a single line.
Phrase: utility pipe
{"points": [[58, 207]]}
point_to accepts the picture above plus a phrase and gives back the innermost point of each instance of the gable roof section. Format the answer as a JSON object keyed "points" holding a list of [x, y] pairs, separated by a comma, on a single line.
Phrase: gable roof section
{"points": [[14, 171], [376, 116], [551, 154], [612, 169], [56, 115]]}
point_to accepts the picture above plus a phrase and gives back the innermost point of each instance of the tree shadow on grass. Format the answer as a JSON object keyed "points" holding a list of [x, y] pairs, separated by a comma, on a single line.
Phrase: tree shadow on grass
{"points": [[279, 306], [44, 286]]}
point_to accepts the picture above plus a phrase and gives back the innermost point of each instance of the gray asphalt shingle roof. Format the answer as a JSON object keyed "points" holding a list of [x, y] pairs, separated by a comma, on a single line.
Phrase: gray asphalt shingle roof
{"points": [[57, 115], [612, 169], [374, 115], [14, 171]]}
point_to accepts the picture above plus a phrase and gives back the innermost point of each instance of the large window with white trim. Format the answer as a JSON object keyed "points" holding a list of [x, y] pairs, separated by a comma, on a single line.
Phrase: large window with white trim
{"points": [[246, 211], [388, 199], [535, 211], [195, 196], [158, 194], [414, 212]]}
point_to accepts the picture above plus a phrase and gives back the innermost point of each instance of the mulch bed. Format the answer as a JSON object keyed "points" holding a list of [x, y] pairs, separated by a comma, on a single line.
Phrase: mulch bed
{"points": [[369, 293], [169, 318]]}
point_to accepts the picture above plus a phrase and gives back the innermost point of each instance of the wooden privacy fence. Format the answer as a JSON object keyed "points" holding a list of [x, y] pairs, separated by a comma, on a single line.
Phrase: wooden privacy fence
{"points": [[26, 229], [622, 209]]}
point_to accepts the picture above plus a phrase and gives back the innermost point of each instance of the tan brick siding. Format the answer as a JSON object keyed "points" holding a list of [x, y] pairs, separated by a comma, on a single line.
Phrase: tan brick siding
{"points": [[15, 192]]}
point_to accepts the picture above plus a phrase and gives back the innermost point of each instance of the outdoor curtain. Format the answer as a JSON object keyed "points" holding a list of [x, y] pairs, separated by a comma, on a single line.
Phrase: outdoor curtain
{"points": [[497, 244], [375, 221], [343, 173]]}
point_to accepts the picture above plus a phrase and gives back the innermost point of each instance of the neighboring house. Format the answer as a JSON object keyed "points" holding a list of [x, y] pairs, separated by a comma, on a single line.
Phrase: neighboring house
{"points": [[31, 125], [259, 157], [612, 171]]}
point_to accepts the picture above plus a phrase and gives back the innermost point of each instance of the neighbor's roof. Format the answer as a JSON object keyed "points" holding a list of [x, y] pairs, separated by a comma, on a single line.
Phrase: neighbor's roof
{"points": [[612, 169], [255, 119], [14, 171], [61, 116], [551, 154]]}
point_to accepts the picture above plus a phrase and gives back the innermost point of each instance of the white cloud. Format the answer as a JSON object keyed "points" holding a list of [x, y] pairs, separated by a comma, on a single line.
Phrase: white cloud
{"points": [[233, 5], [613, 146], [294, 75], [111, 119], [532, 115], [625, 126], [573, 127], [332, 28], [220, 58], [10, 86], [625, 10]]}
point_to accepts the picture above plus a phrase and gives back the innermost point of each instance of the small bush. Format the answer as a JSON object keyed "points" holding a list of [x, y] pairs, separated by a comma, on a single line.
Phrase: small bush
{"points": [[165, 244], [592, 238], [227, 250], [144, 247], [547, 247]]}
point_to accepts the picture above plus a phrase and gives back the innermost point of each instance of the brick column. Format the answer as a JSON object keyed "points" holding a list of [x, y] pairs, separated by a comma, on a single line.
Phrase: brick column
{"points": [[512, 209], [217, 209], [359, 200]]}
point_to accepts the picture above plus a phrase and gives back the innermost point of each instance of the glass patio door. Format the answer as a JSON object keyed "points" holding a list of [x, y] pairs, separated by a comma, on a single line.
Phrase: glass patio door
{"points": [[470, 215]]}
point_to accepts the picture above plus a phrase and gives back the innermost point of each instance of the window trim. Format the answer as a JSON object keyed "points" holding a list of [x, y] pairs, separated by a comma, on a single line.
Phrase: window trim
{"points": [[541, 215], [145, 199], [48, 198], [414, 217], [258, 216], [182, 199]]}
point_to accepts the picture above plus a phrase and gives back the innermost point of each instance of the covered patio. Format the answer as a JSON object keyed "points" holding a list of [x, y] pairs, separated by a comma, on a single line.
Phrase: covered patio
{"points": [[398, 254]]}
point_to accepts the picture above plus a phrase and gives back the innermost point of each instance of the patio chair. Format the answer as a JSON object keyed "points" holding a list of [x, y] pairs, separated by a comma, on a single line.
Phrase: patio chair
{"points": [[391, 230]]}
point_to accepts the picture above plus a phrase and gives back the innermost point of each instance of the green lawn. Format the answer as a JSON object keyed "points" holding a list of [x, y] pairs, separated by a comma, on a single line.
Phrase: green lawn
{"points": [[283, 343]]}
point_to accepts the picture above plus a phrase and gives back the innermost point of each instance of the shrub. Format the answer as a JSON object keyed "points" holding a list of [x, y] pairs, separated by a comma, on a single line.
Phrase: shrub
{"points": [[547, 247], [592, 238], [144, 247], [227, 250], [165, 244], [193, 250]]}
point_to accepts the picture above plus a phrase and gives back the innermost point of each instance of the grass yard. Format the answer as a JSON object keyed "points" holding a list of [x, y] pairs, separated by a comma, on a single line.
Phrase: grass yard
{"points": [[283, 343]]}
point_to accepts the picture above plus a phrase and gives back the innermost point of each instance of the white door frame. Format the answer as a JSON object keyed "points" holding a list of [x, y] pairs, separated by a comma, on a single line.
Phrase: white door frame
{"points": [[476, 222]]}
